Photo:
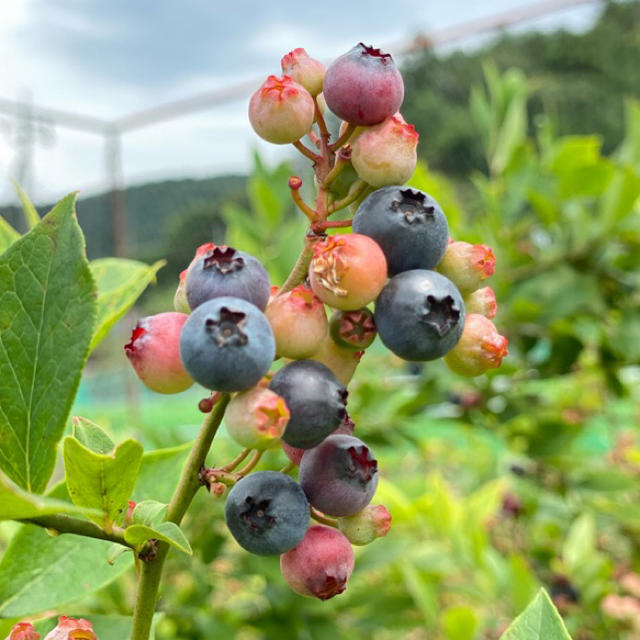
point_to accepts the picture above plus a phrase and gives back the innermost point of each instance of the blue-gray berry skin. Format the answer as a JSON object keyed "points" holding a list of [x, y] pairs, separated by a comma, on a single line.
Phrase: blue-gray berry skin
{"points": [[224, 271], [267, 513], [227, 344], [316, 402], [408, 224], [339, 476], [420, 315]]}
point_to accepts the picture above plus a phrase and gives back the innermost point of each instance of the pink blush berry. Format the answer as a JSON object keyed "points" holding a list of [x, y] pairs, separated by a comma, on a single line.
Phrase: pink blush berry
{"points": [[374, 521], [72, 629], [480, 348], [482, 301], [23, 631], [320, 565], [304, 70], [467, 265], [154, 352], [363, 86], [347, 271], [281, 110]]}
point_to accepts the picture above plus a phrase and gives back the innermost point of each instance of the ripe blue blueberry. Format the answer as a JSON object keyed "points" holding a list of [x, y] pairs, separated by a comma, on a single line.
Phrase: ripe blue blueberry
{"points": [[408, 224], [316, 402], [339, 476], [267, 513], [227, 344], [224, 271], [420, 315]]}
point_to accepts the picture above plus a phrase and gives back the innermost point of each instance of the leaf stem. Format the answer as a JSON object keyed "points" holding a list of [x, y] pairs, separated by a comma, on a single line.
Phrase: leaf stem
{"points": [[67, 524], [301, 267], [188, 486]]}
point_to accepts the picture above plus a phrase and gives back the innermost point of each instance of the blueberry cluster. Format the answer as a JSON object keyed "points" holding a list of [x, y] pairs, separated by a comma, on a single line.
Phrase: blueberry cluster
{"points": [[230, 325]]}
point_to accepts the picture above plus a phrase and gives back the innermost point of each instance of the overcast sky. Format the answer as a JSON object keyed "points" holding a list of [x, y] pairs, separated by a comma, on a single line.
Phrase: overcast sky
{"points": [[108, 58]]}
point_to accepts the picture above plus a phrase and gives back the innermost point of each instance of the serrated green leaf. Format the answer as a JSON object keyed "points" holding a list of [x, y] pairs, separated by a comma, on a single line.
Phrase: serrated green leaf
{"points": [[31, 215], [101, 481], [120, 283], [8, 235], [168, 532], [539, 621], [92, 435], [38, 572], [18, 504], [147, 512], [47, 311]]}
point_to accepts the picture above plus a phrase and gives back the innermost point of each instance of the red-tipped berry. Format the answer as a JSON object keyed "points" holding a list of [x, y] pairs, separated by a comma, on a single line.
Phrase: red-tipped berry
{"points": [[257, 418], [281, 110], [482, 301], [154, 352], [72, 629], [374, 521], [467, 265], [23, 631], [347, 271], [320, 565], [298, 320], [480, 348], [304, 70], [385, 154], [354, 330], [363, 86]]}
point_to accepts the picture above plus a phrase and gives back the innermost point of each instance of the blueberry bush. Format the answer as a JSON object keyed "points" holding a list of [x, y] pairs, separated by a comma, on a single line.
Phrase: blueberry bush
{"points": [[476, 507]]}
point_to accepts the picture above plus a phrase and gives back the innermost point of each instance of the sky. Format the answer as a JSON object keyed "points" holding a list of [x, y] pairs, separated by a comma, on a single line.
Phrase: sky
{"points": [[111, 58]]}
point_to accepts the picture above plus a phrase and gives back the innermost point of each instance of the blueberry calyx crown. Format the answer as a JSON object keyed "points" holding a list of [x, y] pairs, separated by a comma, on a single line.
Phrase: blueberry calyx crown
{"points": [[357, 326], [412, 205], [369, 50], [361, 465], [224, 259], [343, 394], [331, 586], [441, 314], [256, 514], [227, 330]]}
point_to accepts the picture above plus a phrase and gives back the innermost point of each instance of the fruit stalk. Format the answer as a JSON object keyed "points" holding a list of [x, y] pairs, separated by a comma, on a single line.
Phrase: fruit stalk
{"points": [[188, 486]]}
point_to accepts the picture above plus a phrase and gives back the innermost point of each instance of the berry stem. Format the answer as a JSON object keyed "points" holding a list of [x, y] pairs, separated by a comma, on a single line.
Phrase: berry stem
{"points": [[319, 227], [301, 204], [342, 160], [305, 151], [236, 461], [255, 458], [188, 486], [348, 132], [318, 516], [288, 468], [355, 192]]}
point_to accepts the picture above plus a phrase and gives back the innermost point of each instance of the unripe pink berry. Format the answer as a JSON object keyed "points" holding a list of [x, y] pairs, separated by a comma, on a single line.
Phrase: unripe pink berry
{"points": [[257, 418], [281, 110], [320, 565], [72, 629], [482, 301], [298, 320], [347, 271], [154, 352], [295, 454], [374, 521], [480, 348], [23, 631], [342, 362], [304, 70], [363, 86], [180, 302], [467, 265], [385, 154]]}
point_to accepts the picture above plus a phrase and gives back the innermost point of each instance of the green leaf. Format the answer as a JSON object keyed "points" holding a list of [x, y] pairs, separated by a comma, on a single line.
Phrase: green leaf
{"points": [[18, 504], [120, 283], [8, 235], [31, 214], [91, 435], [168, 532], [580, 542], [147, 512], [539, 621], [38, 572], [47, 311], [101, 481]]}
